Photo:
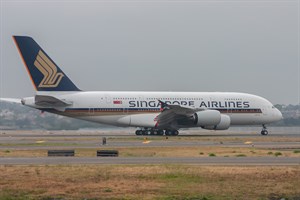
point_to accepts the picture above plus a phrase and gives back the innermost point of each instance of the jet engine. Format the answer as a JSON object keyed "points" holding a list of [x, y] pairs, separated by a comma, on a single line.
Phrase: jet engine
{"points": [[223, 125], [207, 118]]}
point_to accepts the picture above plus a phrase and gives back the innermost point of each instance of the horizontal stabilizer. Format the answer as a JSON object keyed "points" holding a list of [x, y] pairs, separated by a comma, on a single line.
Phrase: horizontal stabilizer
{"points": [[50, 101], [12, 100]]}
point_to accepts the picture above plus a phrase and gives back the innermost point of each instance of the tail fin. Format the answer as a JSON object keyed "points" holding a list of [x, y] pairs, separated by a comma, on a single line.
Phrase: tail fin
{"points": [[44, 73]]}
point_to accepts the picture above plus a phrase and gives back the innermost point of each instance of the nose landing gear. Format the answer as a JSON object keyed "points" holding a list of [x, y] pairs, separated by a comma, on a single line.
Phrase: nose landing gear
{"points": [[264, 130]]}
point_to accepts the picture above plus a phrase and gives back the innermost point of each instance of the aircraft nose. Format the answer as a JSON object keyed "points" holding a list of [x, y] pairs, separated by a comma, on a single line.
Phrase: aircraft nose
{"points": [[279, 114]]}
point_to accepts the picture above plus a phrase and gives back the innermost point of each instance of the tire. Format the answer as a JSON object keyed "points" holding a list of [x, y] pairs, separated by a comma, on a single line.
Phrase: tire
{"points": [[138, 132], [160, 132], [264, 132], [167, 132], [175, 133]]}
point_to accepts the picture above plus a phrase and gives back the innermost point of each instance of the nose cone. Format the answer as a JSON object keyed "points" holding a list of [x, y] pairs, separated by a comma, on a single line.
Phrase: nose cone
{"points": [[278, 115]]}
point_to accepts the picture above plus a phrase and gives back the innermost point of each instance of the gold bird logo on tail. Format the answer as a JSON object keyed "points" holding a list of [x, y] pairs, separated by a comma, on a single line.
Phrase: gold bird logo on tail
{"points": [[51, 77]]}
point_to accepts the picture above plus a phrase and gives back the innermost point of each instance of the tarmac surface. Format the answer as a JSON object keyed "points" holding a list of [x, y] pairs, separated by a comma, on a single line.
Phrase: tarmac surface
{"points": [[279, 138], [269, 161]]}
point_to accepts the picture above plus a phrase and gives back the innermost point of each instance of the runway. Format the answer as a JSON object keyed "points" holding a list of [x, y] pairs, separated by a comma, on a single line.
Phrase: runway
{"points": [[26, 140], [258, 149], [150, 143], [269, 161]]}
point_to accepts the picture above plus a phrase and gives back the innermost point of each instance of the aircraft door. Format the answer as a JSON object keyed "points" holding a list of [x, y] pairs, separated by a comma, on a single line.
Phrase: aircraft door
{"points": [[228, 110], [125, 110], [141, 102], [107, 99], [125, 106], [91, 111]]}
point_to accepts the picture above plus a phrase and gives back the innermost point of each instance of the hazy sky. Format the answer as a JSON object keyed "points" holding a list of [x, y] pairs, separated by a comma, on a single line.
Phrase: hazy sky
{"points": [[237, 45]]}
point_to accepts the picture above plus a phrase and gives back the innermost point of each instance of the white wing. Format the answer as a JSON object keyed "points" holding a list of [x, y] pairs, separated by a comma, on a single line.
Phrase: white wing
{"points": [[172, 113]]}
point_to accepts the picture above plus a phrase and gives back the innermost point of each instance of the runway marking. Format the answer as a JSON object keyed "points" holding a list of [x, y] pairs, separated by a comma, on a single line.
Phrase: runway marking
{"points": [[248, 142], [40, 142]]}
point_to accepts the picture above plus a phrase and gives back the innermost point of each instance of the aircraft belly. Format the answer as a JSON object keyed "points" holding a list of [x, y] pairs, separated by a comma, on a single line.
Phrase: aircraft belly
{"points": [[142, 120], [245, 119], [139, 120], [110, 120]]}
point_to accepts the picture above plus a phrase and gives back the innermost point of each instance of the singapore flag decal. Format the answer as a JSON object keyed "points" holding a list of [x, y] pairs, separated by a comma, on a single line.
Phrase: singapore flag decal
{"points": [[118, 102]]}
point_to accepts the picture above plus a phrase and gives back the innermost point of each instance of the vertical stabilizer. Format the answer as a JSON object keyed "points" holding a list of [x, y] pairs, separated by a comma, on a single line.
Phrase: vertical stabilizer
{"points": [[44, 73]]}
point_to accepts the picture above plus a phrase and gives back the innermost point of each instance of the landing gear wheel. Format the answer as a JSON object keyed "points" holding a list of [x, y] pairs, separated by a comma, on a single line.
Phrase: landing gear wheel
{"points": [[171, 132], [153, 132], [138, 132], [264, 130], [168, 132], [146, 132], [160, 132], [175, 132]]}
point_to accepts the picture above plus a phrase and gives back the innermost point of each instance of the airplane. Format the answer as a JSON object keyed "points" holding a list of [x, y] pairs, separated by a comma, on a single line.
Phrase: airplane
{"points": [[153, 113]]}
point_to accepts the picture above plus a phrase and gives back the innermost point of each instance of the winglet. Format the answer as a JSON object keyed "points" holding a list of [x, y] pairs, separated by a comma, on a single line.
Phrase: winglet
{"points": [[44, 73]]}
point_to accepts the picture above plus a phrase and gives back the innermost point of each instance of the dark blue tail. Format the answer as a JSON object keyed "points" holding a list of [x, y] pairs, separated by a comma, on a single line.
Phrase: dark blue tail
{"points": [[44, 73]]}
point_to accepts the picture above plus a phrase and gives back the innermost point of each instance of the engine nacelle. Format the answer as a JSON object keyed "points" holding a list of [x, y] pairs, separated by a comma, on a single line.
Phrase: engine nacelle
{"points": [[223, 125], [207, 118]]}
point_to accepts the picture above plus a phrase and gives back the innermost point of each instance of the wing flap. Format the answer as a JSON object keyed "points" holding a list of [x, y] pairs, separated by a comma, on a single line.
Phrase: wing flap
{"points": [[171, 113]]}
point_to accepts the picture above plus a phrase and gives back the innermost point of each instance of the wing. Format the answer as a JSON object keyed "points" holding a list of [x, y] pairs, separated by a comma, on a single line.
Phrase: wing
{"points": [[171, 114]]}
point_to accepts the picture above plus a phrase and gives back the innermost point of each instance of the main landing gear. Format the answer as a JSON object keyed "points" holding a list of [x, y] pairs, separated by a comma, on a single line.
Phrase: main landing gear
{"points": [[264, 130], [156, 132]]}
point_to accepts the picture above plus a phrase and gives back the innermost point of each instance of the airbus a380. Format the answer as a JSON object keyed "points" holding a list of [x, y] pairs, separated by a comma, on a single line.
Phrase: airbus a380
{"points": [[155, 113]]}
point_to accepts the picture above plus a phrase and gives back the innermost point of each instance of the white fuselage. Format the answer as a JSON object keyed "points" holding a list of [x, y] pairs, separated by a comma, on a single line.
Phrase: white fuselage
{"points": [[139, 108], [155, 113]]}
